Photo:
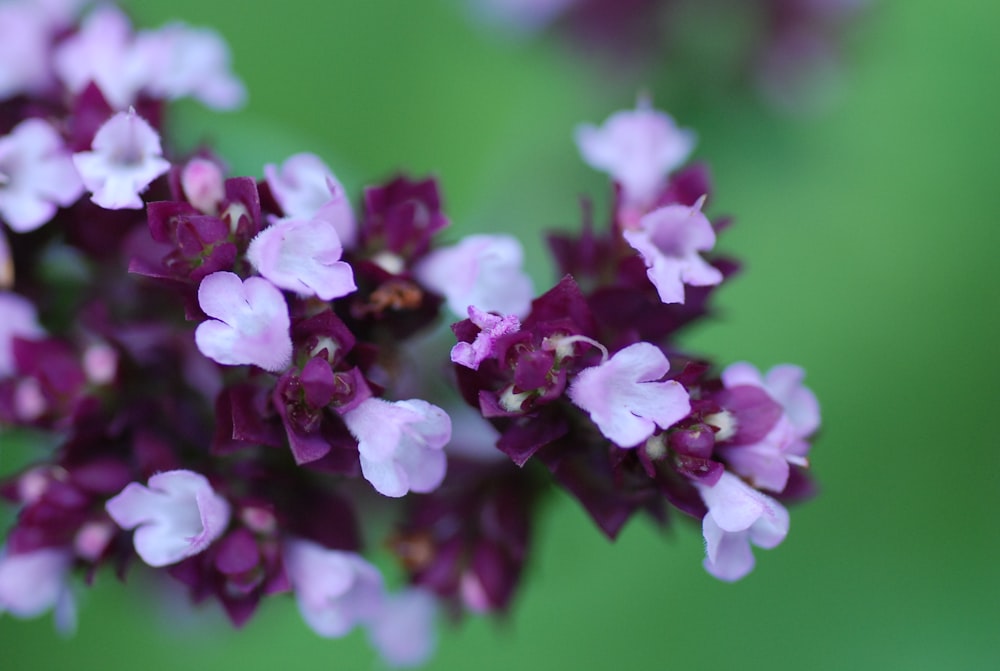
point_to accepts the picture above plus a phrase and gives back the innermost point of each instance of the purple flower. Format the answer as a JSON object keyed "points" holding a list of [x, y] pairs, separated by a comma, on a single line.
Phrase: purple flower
{"points": [[25, 41], [36, 175], [638, 148], [250, 325], [19, 321], [303, 255], [669, 240], [181, 61], [737, 516], [492, 328], [306, 188], [126, 158], [765, 462], [177, 516], [101, 52], [402, 630], [481, 270], [34, 582], [335, 590], [625, 397], [400, 444]]}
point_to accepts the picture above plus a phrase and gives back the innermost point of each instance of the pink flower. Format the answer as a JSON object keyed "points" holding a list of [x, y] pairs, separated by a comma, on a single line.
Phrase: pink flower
{"points": [[738, 515], [182, 61], [36, 175], [126, 158], [669, 239], [402, 630], [25, 40], [250, 325], [303, 255], [203, 184], [177, 516], [625, 397], [766, 462], [482, 270], [400, 444], [306, 188], [335, 590], [34, 582], [492, 327], [638, 148]]}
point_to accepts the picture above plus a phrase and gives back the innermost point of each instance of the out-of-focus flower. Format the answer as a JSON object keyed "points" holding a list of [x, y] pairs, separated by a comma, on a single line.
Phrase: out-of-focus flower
{"points": [[306, 188], [32, 583], [36, 175], [176, 516], [402, 630]]}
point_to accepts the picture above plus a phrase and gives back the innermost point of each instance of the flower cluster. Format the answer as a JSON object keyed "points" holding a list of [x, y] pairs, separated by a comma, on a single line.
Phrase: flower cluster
{"points": [[784, 44], [238, 380]]}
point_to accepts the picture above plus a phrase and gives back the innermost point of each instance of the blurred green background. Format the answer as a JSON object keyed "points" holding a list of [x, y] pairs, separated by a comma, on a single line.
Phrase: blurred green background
{"points": [[869, 237]]}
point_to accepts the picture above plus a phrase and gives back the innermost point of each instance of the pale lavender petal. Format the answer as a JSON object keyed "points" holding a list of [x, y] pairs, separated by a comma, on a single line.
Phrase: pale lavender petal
{"points": [[638, 148], [20, 320], [36, 175], [734, 505], [303, 256], [625, 398], [125, 159], [784, 384], [403, 630], [728, 555], [335, 590], [400, 444], [251, 324], [177, 516], [34, 582], [482, 270], [184, 61], [306, 188], [102, 52], [669, 240], [25, 42]]}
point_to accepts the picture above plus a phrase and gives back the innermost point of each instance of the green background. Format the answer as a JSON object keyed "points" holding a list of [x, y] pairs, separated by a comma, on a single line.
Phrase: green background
{"points": [[869, 237]]}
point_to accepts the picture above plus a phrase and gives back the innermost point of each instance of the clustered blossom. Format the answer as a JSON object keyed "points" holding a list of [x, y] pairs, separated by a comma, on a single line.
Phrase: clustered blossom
{"points": [[243, 389]]}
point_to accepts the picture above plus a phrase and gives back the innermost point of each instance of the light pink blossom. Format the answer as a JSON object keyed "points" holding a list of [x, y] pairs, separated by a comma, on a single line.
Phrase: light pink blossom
{"points": [[306, 188], [249, 325], [638, 148], [335, 590], [669, 240], [482, 270], [400, 444], [203, 184], [176, 516], [402, 629], [36, 175], [303, 255], [25, 41], [766, 462], [32, 583], [125, 159], [738, 515], [625, 396]]}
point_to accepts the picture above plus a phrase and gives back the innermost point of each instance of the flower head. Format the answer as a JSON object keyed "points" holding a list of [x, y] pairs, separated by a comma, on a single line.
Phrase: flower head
{"points": [[400, 444], [125, 159], [176, 516], [249, 322]]}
